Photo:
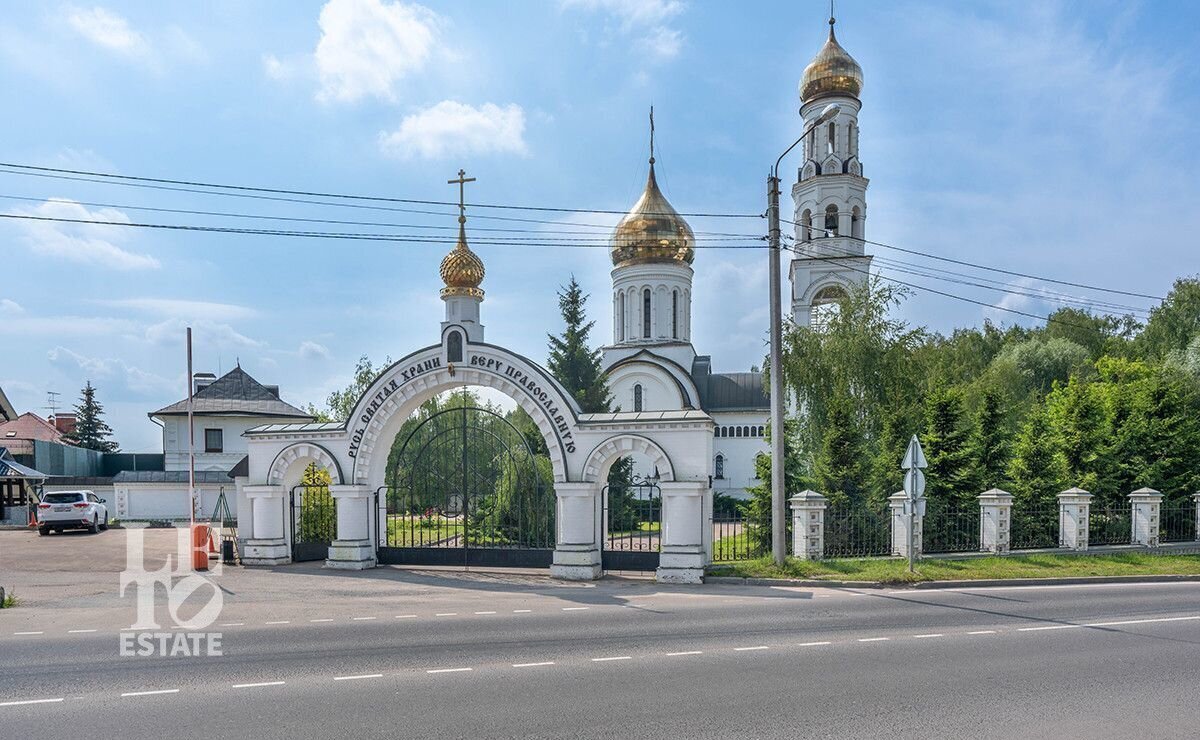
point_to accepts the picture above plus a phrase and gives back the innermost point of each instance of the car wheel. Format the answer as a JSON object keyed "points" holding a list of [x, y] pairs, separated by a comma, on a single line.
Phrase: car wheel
{"points": [[95, 525], [43, 531], [104, 526]]}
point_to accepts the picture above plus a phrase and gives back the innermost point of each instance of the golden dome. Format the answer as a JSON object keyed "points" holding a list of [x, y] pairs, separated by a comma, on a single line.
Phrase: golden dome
{"points": [[652, 231], [462, 270], [831, 72]]}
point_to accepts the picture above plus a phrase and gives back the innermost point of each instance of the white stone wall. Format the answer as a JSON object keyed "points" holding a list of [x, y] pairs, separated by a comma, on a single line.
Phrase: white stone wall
{"points": [[142, 501], [739, 452], [670, 317], [175, 440]]}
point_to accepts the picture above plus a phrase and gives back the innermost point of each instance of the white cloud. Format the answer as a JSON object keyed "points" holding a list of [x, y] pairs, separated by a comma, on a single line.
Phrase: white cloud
{"points": [[277, 69], [112, 370], [106, 29], [310, 350], [368, 46], [645, 20], [662, 42], [81, 242], [454, 129], [184, 309], [210, 333], [9, 307]]}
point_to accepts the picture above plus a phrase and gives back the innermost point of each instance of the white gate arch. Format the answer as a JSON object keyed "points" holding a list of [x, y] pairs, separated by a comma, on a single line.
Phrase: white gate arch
{"points": [[602, 457], [305, 452]]}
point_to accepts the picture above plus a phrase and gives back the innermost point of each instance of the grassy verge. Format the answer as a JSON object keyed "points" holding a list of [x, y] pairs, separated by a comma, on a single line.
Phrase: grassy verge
{"points": [[1013, 566], [8, 599]]}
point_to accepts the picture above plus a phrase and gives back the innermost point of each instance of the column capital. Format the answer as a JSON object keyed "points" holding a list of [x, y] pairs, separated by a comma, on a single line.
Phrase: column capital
{"points": [[580, 488], [1074, 496], [995, 496], [1145, 494], [264, 491], [808, 500], [350, 490]]}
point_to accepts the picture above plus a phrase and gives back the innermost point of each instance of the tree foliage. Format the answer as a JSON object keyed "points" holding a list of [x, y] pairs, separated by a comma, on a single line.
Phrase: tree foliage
{"points": [[572, 362], [91, 431]]}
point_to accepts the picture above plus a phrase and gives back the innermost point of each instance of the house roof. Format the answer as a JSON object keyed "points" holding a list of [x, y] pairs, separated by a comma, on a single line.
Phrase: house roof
{"points": [[30, 426], [235, 393], [7, 412], [11, 469], [170, 476], [729, 391], [242, 469]]}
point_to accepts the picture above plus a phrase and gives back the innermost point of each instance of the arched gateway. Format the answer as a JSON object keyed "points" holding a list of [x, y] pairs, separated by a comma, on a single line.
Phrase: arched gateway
{"points": [[379, 520]]}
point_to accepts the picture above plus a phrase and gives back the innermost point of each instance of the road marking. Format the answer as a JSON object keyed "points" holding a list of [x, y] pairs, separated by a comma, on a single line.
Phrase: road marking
{"points": [[1050, 627], [278, 621], [1117, 623], [982, 632], [686, 652], [78, 632], [233, 624], [824, 596], [256, 685], [29, 633], [363, 619], [932, 634], [756, 647], [151, 693], [617, 657], [522, 611], [29, 701], [575, 608], [325, 619], [446, 614], [449, 670], [873, 639], [532, 665], [812, 644], [406, 616], [485, 612], [355, 678]]}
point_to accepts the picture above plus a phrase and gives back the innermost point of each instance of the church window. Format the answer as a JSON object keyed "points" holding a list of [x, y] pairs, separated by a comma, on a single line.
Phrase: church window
{"points": [[637, 397], [806, 225], [761, 431], [856, 229], [646, 313], [454, 347], [737, 431], [812, 143], [832, 137], [852, 135], [831, 220], [675, 314], [621, 318], [719, 467]]}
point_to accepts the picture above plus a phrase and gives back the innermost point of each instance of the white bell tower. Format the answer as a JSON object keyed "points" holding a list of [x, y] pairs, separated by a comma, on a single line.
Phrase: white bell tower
{"points": [[830, 192]]}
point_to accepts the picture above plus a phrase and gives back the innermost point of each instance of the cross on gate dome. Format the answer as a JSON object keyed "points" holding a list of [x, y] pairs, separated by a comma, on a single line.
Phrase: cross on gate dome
{"points": [[831, 72]]}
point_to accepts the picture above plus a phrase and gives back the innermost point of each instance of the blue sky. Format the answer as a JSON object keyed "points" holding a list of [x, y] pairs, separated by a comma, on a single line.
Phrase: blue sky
{"points": [[1054, 138]]}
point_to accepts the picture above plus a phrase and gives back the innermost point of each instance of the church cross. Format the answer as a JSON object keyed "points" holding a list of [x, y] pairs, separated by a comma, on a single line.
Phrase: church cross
{"points": [[461, 182]]}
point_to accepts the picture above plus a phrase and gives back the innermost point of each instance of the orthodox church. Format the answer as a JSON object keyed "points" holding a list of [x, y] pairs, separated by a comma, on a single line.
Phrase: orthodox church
{"points": [[651, 363]]}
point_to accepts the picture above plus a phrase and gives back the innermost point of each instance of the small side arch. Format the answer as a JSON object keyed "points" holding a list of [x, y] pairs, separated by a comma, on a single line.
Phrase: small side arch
{"points": [[602, 457], [305, 452]]}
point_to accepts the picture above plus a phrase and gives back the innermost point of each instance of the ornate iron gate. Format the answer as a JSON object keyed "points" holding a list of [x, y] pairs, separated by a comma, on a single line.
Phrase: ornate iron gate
{"points": [[465, 488], [314, 522], [632, 525]]}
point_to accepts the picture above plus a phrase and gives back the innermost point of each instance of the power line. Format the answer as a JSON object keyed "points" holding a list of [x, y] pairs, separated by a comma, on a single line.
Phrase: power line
{"points": [[345, 196]]}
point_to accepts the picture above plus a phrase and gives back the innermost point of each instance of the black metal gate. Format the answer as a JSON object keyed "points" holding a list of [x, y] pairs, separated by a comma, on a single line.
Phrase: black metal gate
{"points": [[466, 488], [314, 522], [632, 525]]}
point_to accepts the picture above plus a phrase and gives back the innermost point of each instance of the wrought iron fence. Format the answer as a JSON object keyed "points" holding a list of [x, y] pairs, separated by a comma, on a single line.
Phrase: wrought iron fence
{"points": [[1110, 526], [856, 532], [1034, 528], [736, 539], [951, 530], [1177, 522]]}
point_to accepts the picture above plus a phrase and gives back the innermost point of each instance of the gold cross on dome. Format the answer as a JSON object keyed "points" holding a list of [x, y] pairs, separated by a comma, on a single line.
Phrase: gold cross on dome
{"points": [[461, 182]]}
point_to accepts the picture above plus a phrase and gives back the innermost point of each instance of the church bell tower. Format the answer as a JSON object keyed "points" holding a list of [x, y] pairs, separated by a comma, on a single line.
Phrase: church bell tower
{"points": [[830, 193]]}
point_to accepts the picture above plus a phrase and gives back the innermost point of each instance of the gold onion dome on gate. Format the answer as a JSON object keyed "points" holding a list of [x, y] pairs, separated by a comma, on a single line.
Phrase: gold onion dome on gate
{"points": [[653, 231], [462, 270], [831, 72]]}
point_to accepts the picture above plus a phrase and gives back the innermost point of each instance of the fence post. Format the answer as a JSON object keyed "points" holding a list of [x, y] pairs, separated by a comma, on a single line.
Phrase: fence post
{"points": [[1146, 504], [1196, 521], [808, 525], [995, 519], [1074, 509], [900, 526]]}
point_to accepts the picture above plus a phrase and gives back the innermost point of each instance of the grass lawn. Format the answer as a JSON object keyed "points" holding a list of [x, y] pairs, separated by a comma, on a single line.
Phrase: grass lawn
{"points": [[1013, 566], [407, 531]]}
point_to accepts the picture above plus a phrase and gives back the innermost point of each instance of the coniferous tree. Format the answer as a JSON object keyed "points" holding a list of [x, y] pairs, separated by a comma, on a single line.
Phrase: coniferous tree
{"points": [[989, 443], [572, 362], [91, 431], [1036, 471], [945, 445], [1083, 435], [838, 469]]}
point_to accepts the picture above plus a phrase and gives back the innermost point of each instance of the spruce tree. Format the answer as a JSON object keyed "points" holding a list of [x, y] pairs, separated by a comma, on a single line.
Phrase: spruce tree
{"points": [[839, 465], [572, 362], [989, 443], [945, 443], [90, 430], [1037, 471]]}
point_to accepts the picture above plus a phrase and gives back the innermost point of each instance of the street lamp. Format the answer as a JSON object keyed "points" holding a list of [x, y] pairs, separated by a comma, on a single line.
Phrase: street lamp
{"points": [[778, 512]]}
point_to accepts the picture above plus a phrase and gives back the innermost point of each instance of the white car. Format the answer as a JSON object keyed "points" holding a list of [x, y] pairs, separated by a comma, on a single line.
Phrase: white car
{"points": [[71, 510]]}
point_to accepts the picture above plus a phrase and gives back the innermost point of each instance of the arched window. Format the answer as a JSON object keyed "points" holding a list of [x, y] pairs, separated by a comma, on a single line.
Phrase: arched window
{"points": [[737, 431], [852, 136], [719, 467], [454, 347], [621, 318], [812, 143], [831, 220], [675, 314], [637, 397], [747, 432], [832, 137], [856, 224], [806, 225], [761, 431], [646, 313], [825, 305]]}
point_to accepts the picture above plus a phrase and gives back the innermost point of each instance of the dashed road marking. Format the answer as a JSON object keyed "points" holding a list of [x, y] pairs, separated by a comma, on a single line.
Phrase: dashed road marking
{"points": [[485, 612], [78, 632], [37, 632], [363, 619], [615, 657], [756, 647], [814, 644], [448, 670], [532, 665], [155, 692], [931, 634], [279, 621], [982, 632], [1117, 623], [522, 611], [873, 639], [29, 701], [575, 608], [232, 624], [358, 677], [1049, 627], [258, 684], [686, 652], [323, 619], [446, 614], [406, 616]]}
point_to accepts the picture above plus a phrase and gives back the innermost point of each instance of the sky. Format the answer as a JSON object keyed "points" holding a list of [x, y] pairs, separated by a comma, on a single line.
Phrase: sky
{"points": [[1056, 139]]}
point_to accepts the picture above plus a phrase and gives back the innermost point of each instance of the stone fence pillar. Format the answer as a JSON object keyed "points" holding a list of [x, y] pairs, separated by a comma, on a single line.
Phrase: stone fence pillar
{"points": [[900, 520], [353, 549], [580, 529], [995, 521], [268, 543], [1146, 504], [1074, 510], [682, 558], [808, 525]]}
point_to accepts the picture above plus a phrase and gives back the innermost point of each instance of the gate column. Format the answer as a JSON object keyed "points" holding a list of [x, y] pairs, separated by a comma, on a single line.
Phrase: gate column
{"points": [[352, 550], [266, 544], [577, 544], [683, 517]]}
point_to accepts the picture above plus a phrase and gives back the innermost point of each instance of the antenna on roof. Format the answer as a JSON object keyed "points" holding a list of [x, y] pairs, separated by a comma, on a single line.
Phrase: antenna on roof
{"points": [[52, 402]]}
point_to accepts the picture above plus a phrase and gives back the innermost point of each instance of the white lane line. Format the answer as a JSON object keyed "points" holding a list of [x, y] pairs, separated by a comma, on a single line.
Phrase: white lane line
{"points": [[278, 621], [686, 652], [485, 612], [78, 632], [446, 614], [323, 619], [256, 685], [756, 647], [151, 693], [39, 632], [616, 657], [873, 639], [982, 632], [363, 619], [355, 678], [406, 616], [532, 665], [1049, 627], [449, 670], [1115, 623], [29, 701], [232, 624], [931, 634], [812, 644], [575, 608], [522, 611], [823, 596]]}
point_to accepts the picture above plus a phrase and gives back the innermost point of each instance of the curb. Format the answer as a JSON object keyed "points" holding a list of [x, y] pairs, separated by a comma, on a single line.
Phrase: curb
{"points": [[933, 585]]}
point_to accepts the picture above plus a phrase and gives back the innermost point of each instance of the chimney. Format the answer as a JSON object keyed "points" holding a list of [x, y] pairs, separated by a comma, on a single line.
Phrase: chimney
{"points": [[64, 422], [202, 380]]}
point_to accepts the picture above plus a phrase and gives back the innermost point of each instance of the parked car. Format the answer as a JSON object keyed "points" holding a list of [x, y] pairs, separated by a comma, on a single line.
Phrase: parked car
{"points": [[71, 510]]}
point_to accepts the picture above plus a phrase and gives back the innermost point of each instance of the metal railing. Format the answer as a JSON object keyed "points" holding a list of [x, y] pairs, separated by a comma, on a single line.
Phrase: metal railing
{"points": [[857, 532], [1034, 528], [951, 530], [1110, 526], [736, 539], [1177, 522]]}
